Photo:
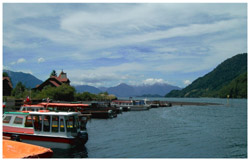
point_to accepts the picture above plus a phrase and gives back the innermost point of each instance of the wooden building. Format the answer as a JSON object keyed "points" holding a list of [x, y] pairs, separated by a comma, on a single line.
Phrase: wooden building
{"points": [[55, 81], [7, 86]]}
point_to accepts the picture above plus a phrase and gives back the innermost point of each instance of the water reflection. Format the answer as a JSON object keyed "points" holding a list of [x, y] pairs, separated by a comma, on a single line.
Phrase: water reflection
{"points": [[76, 152]]}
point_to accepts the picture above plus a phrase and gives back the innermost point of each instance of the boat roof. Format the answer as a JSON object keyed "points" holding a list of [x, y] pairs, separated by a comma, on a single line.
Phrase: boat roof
{"points": [[63, 104], [43, 112], [17, 113], [124, 101], [53, 113], [38, 105]]}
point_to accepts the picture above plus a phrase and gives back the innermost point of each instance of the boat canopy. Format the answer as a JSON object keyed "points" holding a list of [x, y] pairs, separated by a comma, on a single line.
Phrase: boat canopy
{"points": [[63, 105]]}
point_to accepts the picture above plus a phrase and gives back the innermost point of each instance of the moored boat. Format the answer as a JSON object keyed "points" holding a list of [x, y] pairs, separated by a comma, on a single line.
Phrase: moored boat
{"points": [[19, 150], [48, 129], [133, 105], [95, 110]]}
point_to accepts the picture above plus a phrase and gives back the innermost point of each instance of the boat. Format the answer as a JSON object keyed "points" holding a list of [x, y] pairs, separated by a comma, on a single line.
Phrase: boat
{"points": [[27, 107], [94, 110], [131, 105], [156, 104], [18, 150], [45, 128]]}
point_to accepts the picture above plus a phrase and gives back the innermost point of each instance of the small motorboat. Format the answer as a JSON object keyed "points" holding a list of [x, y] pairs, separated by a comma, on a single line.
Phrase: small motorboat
{"points": [[60, 130]]}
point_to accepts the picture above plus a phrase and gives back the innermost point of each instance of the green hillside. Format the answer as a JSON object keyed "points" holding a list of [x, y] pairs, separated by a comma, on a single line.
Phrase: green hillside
{"points": [[228, 78]]}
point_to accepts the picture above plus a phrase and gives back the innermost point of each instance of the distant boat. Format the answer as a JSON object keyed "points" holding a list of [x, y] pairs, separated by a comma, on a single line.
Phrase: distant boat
{"points": [[133, 105], [49, 129], [96, 110], [19, 150]]}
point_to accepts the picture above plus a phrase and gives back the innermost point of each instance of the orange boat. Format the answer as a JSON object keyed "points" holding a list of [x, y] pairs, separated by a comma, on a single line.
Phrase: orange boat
{"points": [[15, 150]]}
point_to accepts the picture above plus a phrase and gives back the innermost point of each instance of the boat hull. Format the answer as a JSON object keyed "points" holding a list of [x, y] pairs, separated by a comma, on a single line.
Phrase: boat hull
{"points": [[48, 141]]}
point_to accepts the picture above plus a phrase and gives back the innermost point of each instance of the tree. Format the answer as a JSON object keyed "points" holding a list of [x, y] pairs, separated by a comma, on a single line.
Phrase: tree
{"points": [[5, 74], [19, 90], [64, 93], [53, 73], [85, 96]]}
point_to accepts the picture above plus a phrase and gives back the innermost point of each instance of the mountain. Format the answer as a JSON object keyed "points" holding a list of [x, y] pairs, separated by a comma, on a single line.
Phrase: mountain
{"points": [[86, 88], [103, 89], [220, 82], [124, 90], [237, 88], [27, 79]]}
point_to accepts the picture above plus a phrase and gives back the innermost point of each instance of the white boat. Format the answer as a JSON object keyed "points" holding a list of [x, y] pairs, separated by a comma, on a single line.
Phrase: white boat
{"points": [[48, 129], [133, 105]]}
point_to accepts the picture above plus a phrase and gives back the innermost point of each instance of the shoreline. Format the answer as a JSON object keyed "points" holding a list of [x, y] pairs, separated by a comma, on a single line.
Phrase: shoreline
{"points": [[177, 103]]}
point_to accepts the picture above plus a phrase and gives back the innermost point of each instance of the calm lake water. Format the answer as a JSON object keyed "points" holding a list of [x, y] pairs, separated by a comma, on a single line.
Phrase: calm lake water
{"points": [[218, 131]]}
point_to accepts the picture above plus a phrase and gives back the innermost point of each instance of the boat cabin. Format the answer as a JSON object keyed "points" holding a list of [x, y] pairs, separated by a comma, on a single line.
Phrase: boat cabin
{"points": [[31, 108], [121, 102], [43, 122]]}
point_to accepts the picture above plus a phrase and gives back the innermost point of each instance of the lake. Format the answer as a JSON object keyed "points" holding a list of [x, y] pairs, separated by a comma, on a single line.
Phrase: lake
{"points": [[217, 131]]}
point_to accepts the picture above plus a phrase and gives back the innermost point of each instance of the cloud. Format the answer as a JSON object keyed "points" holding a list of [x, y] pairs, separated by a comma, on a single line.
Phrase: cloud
{"points": [[151, 81], [40, 60], [187, 82], [110, 44], [21, 60]]}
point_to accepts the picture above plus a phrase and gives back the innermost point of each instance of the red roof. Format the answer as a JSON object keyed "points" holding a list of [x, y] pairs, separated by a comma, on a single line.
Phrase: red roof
{"points": [[121, 101], [25, 105], [63, 104], [54, 83]]}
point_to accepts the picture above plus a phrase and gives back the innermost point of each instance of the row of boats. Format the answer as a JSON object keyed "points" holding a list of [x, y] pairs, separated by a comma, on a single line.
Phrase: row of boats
{"points": [[61, 125]]}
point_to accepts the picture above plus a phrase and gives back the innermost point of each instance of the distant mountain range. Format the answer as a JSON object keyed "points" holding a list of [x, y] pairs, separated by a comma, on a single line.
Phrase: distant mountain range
{"points": [[125, 90], [86, 88], [228, 78], [122, 90], [28, 80]]}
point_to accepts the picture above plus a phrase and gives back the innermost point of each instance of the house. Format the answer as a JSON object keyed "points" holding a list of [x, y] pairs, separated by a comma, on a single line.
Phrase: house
{"points": [[55, 81], [7, 86]]}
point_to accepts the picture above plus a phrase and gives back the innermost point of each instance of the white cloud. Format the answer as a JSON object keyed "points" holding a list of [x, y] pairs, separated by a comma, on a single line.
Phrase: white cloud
{"points": [[151, 81], [187, 82], [167, 38], [40, 60], [21, 60]]}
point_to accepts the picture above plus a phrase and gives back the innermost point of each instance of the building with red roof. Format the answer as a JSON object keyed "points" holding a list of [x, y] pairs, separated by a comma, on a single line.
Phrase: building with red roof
{"points": [[55, 81]]}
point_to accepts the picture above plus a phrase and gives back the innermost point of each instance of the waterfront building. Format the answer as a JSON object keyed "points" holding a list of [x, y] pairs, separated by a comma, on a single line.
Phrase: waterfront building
{"points": [[7, 86], [55, 81]]}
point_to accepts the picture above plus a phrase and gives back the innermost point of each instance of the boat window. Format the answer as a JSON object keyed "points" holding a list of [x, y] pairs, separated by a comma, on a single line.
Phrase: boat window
{"points": [[7, 119], [46, 124], [28, 122], [38, 123], [72, 125], [62, 125], [18, 120], [24, 109], [55, 123]]}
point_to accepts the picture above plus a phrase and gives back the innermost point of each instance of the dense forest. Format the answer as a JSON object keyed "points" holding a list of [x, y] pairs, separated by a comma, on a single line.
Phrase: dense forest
{"points": [[227, 79]]}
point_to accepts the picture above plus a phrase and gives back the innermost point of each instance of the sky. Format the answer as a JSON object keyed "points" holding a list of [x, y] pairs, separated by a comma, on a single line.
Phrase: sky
{"points": [[105, 44]]}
